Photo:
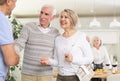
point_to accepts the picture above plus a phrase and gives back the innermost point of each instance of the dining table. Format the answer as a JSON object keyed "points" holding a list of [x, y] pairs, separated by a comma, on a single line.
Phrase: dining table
{"points": [[102, 75], [106, 74]]}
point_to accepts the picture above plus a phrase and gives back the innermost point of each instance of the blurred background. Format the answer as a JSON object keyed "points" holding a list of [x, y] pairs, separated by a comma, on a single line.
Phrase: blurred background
{"points": [[96, 18]]}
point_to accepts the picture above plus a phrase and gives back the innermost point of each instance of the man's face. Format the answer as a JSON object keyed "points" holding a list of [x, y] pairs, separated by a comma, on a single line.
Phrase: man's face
{"points": [[10, 6], [45, 16]]}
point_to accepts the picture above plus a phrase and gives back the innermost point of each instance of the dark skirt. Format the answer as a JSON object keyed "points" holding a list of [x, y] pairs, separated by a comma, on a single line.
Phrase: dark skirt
{"points": [[67, 78]]}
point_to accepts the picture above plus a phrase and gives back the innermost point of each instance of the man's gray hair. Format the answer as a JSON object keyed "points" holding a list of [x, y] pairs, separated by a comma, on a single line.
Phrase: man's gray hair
{"points": [[53, 8]]}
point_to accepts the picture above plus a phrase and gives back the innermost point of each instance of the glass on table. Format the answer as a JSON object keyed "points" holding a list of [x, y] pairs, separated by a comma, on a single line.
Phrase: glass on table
{"points": [[107, 66], [114, 67]]}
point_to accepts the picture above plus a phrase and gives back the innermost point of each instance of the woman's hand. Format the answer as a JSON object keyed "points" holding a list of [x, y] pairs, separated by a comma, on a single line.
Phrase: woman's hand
{"points": [[44, 60], [68, 57]]}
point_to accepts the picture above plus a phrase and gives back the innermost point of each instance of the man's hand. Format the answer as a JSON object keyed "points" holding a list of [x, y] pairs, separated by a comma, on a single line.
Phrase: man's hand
{"points": [[44, 60]]}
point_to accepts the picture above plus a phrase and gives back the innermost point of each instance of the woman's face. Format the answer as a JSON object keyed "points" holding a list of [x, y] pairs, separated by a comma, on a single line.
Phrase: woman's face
{"points": [[65, 20], [96, 43]]}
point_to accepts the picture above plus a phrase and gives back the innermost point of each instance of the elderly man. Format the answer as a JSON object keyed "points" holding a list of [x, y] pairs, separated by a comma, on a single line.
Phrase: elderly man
{"points": [[8, 56], [37, 40]]}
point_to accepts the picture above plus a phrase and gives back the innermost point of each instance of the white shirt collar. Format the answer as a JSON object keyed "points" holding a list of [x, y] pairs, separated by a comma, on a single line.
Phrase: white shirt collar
{"points": [[44, 30]]}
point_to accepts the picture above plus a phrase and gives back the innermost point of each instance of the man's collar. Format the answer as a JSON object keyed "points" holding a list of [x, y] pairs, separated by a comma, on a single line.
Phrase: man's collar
{"points": [[44, 30]]}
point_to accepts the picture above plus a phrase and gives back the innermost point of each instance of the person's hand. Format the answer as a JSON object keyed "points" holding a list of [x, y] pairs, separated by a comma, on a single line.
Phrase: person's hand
{"points": [[44, 60], [68, 57]]}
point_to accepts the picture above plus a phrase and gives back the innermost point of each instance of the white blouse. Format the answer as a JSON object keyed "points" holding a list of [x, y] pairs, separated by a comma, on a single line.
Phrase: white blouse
{"points": [[78, 46], [101, 55]]}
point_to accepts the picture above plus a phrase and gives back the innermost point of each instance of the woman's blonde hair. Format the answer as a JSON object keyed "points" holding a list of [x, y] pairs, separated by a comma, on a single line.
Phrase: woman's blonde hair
{"points": [[72, 15]]}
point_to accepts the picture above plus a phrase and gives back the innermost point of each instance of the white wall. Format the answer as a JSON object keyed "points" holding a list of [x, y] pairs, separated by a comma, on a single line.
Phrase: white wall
{"points": [[84, 21]]}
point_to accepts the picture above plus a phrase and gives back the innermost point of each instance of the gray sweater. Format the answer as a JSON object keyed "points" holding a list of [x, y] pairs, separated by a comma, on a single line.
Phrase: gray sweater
{"points": [[36, 45]]}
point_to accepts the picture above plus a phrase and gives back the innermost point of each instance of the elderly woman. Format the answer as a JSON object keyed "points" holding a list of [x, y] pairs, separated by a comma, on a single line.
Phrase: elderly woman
{"points": [[100, 53], [71, 48]]}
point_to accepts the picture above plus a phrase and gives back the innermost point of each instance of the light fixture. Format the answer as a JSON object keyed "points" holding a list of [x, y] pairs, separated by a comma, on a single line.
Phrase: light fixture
{"points": [[115, 23], [94, 23]]}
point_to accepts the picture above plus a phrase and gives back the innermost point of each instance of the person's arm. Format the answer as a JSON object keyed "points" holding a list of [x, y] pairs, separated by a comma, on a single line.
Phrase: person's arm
{"points": [[10, 56], [50, 61], [54, 61], [82, 48]]}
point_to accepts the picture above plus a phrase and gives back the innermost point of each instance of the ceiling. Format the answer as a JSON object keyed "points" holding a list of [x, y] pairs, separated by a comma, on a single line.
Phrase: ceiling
{"points": [[31, 8]]}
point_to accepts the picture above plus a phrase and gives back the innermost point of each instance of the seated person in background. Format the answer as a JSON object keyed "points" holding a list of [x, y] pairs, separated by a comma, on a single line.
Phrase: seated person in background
{"points": [[100, 54]]}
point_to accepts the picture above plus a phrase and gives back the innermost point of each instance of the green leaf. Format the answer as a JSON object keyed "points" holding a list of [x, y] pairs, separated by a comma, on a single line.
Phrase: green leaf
{"points": [[12, 68], [17, 26], [12, 78]]}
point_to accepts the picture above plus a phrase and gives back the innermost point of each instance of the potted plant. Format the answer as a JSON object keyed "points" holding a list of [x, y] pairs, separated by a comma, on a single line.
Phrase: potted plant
{"points": [[17, 26]]}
